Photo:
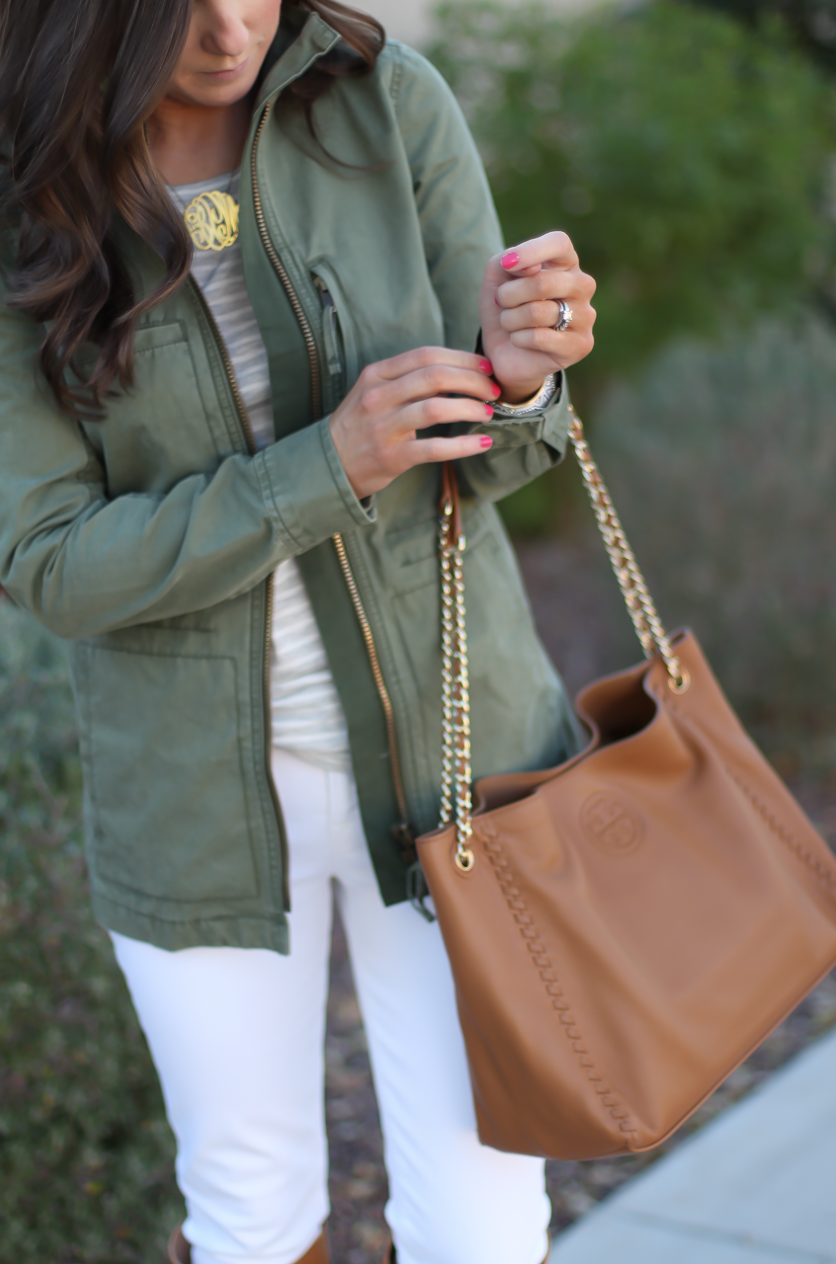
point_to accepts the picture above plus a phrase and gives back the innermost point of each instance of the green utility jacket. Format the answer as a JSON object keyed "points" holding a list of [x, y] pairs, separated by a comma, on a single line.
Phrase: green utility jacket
{"points": [[148, 540]]}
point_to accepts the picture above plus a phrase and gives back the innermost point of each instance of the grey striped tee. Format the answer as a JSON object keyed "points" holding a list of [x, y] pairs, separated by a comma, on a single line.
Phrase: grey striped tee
{"points": [[307, 717]]}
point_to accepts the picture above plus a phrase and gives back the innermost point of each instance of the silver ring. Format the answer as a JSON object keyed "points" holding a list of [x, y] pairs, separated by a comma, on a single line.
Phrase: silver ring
{"points": [[565, 318]]}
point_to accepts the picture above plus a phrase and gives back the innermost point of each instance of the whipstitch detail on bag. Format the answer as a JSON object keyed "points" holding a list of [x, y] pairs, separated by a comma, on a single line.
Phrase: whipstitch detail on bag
{"points": [[542, 963], [789, 840], [817, 869]]}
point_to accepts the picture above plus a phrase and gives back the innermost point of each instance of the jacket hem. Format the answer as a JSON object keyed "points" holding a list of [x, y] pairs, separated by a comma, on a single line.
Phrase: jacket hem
{"points": [[193, 932]]}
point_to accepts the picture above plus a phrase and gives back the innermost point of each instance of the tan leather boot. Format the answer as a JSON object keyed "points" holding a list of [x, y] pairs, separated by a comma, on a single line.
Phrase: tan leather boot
{"points": [[179, 1251]]}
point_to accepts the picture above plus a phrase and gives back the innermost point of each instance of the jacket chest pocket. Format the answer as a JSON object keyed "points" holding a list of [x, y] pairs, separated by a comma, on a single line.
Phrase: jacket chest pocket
{"points": [[339, 335]]}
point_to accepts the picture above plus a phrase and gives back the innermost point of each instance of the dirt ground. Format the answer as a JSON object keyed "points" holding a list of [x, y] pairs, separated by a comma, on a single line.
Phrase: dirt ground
{"points": [[587, 633]]}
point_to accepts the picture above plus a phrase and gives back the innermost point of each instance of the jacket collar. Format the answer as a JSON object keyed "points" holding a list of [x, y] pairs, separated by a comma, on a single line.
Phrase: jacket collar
{"points": [[301, 40]]}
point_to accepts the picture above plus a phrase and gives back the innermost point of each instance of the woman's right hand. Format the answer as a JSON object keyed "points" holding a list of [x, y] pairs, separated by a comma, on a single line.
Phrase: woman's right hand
{"points": [[376, 427]]}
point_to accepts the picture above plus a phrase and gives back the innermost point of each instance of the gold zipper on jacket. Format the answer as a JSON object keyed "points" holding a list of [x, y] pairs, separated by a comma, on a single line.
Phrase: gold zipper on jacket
{"points": [[240, 406], [339, 543], [281, 272], [249, 436], [380, 684]]}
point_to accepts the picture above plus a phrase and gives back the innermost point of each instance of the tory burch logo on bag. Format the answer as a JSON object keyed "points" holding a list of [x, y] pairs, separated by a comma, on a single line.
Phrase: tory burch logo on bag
{"points": [[610, 825]]}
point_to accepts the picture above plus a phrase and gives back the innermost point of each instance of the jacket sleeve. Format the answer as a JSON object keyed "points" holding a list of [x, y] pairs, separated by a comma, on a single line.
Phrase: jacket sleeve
{"points": [[83, 562], [461, 233]]}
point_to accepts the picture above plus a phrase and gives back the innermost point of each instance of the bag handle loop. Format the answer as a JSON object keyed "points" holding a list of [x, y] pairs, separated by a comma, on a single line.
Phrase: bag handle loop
{"points": [[456, 773]]}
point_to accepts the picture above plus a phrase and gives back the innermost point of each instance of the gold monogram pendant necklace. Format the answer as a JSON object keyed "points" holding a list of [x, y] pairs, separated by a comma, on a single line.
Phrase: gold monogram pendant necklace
{"points": [[212, 218]]}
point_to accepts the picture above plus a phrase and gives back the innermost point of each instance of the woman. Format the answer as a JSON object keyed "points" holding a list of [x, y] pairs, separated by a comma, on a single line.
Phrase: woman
{"points": [[221, 488]]}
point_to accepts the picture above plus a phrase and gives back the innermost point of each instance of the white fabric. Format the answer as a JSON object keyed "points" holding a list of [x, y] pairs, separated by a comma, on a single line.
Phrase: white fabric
{"points": [[237, 1037], [307, 717]]}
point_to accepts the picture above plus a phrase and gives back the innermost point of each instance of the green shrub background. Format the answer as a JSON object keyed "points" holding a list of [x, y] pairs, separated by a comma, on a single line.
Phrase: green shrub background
{"points": [[688, 156], [722, 462], [86, 1157]]}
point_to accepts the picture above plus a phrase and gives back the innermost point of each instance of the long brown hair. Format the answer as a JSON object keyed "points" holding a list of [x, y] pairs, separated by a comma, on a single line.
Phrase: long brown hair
{"points": [[78, 80]]}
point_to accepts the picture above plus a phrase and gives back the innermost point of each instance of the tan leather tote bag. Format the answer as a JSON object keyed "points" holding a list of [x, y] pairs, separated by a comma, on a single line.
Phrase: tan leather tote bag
{"points": [[626, 928]]}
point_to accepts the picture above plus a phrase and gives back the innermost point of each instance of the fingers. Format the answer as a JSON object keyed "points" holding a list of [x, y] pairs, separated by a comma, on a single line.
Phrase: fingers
{"points": [[540, 338], [529, 299], [427, 358], [530, 308], [425, 451], [550, 284], [432, 385], [440, 411], [530, 315], [554, 249], [374, 429], [520, 305], [565, 347]]}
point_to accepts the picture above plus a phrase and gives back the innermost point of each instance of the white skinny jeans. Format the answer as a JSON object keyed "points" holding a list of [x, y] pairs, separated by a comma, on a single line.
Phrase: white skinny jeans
{"points": [[237, 1036]]}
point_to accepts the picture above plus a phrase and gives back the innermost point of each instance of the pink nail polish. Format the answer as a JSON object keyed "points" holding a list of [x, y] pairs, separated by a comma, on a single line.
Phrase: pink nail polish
{"points": [[511, 259], [486, 441], [497, 390], [486, 367], [489, 409]]}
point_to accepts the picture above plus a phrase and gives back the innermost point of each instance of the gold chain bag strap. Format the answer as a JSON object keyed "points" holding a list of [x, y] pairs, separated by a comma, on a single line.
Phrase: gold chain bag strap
{"points": [[626, 928]]}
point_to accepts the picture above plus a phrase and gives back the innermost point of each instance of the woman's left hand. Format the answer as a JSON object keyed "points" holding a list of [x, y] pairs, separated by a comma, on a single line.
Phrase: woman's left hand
{"points": [[518, 308]]}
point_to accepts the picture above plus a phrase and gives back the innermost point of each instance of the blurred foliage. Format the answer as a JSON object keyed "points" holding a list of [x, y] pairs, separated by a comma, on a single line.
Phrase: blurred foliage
{"points": [[722, 463], [687, 155], [813, 22], [86, 1157]]}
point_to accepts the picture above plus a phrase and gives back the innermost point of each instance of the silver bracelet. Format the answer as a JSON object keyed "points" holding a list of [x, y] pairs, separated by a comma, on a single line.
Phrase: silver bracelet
{"points": [[536, 404]]}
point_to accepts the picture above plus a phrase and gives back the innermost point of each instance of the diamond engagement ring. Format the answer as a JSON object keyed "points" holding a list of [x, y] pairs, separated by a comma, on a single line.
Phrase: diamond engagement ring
{"points": [[565, 318]]}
